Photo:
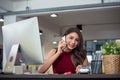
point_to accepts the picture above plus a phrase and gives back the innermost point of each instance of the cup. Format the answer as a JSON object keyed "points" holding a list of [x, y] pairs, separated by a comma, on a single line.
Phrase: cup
{"points": [[84, 70], [96, 66], [18, 70]]}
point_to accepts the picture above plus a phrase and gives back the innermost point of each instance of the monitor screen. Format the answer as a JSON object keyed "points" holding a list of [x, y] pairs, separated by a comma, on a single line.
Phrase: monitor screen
{"points": [[26, 34]]}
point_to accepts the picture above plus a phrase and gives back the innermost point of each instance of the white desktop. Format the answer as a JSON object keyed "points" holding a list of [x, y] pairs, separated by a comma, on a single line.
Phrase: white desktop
{"points": [[23, 36]]}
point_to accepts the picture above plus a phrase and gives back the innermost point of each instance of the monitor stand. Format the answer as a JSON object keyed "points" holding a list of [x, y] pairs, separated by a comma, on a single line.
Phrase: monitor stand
{"points": [[9, 67]]}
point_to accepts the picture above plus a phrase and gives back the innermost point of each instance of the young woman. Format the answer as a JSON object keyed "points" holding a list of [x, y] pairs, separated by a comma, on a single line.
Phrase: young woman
{"points": [[69, 56]]}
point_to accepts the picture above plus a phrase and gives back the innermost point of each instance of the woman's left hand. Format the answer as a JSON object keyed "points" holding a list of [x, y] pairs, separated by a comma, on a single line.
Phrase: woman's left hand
{"points": [[78, 68]]}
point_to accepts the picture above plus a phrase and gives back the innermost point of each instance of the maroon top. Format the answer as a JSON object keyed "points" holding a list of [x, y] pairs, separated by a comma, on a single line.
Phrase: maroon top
{"points": [[63, 64]]}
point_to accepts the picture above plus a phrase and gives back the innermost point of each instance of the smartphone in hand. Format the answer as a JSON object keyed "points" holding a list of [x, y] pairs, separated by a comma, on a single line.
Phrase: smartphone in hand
{"points": [[63, 38]]}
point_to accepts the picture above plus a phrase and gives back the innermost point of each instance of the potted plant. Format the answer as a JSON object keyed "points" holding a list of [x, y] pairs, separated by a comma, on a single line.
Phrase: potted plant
{"points": [[111, 57]]}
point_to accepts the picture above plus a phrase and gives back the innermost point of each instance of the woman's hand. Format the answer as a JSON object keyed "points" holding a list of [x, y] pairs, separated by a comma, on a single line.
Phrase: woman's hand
{"points": [[78, 68], [61, 46]]}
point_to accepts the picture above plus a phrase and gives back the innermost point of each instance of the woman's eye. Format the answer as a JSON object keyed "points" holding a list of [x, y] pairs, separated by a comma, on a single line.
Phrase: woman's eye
{"points": [[77, 40], [71, 38]]}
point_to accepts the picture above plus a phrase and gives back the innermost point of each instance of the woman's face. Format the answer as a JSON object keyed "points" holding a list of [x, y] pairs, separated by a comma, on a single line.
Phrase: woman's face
{"points": [[72, 40]]}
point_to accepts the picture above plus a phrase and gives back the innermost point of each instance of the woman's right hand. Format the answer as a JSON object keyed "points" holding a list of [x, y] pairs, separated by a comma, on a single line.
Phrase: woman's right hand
{"points": [[61, 46], [78, 68]]}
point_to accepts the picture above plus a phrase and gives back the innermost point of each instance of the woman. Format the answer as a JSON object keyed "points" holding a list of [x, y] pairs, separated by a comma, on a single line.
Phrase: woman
{"points": [[69, 56]]}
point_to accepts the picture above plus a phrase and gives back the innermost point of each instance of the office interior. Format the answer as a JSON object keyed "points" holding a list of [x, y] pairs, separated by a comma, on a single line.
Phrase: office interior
{"points": [[99, 20]]}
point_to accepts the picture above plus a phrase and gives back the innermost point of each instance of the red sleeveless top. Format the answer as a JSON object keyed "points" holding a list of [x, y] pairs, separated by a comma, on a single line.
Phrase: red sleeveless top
{"points": [[63, 64]]}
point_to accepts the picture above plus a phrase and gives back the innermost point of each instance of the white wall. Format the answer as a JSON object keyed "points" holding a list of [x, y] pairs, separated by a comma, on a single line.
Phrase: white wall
{"points": [[9, 19], [103, 31], [49, 30]]}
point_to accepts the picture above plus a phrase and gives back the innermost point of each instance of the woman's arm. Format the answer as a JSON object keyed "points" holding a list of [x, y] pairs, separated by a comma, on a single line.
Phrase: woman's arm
{"points": [[52, 56], [48, 62], [85, 63]]}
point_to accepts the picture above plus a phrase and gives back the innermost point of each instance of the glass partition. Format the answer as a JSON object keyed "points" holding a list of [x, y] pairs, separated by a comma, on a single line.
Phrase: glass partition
{"points": [[95, 45], [92, 46]]}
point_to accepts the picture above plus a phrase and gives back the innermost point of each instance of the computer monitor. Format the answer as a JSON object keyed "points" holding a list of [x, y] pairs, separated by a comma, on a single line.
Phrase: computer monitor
{"points": [[26, 34]]}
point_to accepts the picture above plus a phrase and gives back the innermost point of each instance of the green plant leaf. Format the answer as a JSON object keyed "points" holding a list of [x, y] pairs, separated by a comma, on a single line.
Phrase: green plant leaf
{"points": [[110, 48]]}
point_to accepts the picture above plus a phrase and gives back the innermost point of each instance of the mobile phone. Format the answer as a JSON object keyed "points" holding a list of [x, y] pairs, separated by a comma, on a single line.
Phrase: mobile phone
{"points": [[63, 38]]}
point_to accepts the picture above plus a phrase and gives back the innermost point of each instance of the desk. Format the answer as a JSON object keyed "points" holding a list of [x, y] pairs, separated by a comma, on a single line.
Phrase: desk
{"points": [[60, 76]]}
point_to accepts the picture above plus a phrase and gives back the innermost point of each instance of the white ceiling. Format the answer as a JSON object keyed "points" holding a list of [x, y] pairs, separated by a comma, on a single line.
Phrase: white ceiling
{"points": [[96, 16], [85, 17]]}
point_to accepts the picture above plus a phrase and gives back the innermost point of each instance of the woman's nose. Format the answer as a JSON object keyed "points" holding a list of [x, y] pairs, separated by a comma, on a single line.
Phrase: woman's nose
{"points": [[73, 41]]}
